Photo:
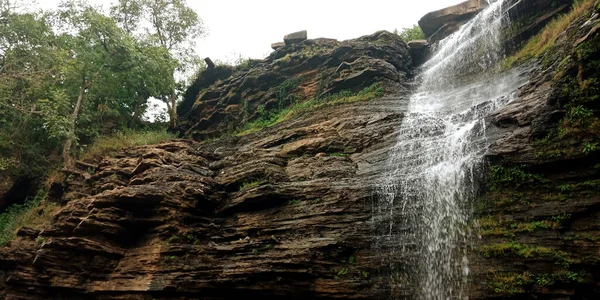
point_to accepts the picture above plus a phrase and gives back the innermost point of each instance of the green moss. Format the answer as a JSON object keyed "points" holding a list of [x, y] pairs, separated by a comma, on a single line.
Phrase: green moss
{"points": [[294, 202], [339, 154], [251, 184], [268, 119], [510, 283], [525, 251]]}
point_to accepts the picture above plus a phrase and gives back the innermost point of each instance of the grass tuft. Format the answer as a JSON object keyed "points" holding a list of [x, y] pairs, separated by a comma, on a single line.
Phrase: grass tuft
{"points": [[106, 144], [538, 44]]}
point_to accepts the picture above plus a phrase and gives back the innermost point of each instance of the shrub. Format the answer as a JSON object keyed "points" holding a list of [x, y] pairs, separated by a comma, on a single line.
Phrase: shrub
{"points": [[408, 34], [34, 213]]}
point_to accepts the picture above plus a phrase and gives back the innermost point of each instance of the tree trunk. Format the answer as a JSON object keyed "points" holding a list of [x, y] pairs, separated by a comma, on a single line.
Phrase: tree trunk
{"points": [[173, 109], [136, 113], [68, 142]]}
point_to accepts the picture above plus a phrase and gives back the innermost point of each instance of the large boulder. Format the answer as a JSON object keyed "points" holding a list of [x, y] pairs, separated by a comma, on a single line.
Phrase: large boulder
{"points": [[295, 37], [457, 14], [419, 50], [276, 46]]}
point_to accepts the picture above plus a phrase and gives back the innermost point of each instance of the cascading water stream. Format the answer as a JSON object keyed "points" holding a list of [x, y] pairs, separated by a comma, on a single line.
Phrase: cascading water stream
{"points": [[423, 207]]}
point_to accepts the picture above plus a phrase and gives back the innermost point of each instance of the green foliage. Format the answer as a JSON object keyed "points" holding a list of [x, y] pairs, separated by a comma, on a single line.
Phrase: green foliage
{"points": [[511, 176], [410, 33], [590, 184], [34, 213], [284, 92], [579, 115], [106, 144], [171, 25], [562, 218], [589, 147], [74, 75], [565, 188], [342, 272], [276, 116]]}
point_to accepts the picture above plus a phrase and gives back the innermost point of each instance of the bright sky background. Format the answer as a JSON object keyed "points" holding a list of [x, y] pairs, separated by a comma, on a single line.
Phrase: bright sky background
{"points": [[248, 27]]}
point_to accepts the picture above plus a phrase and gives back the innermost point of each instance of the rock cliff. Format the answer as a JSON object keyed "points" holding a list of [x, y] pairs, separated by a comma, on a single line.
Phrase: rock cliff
{"points": [[270, 195], [283, 212], [539, 229]]}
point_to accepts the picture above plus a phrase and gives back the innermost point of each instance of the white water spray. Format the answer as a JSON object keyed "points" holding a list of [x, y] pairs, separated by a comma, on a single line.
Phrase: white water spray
{"points": [[424, 199]]}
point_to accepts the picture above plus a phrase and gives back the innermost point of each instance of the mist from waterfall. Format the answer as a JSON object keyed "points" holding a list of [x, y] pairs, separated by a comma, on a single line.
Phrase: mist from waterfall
{"points": [[424, 200]]}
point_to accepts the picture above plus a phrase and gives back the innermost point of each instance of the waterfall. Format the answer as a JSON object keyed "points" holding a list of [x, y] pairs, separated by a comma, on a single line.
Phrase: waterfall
{"points": [[424, 200]]}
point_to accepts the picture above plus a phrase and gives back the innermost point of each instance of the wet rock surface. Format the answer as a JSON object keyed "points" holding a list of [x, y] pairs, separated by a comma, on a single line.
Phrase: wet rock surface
{"points": [[538, 223]]}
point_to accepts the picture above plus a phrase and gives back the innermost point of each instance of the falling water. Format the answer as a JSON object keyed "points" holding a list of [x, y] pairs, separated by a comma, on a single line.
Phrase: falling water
{"points": [[424, 199]]}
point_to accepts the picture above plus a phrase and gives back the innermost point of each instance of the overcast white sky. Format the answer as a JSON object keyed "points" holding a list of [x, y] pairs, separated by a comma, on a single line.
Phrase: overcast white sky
{"points": [[248, 27]]}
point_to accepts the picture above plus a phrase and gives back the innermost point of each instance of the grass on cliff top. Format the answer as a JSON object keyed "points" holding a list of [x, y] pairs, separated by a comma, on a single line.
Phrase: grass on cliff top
{"points": [[538, 44], [269, 119], [35, 213], [106, 144]]}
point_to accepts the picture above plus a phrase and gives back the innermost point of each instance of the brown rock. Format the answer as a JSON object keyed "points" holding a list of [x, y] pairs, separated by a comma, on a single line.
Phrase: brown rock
{"points": [[295, 37], [418, 44], [278, 45], [323, 66], [433, 21]]}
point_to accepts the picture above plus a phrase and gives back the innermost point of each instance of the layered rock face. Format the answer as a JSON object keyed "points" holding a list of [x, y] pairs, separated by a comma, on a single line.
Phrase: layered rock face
{"points": [[539, 223], [308, 69], [286, 212], [282, 213], [440, 23]]}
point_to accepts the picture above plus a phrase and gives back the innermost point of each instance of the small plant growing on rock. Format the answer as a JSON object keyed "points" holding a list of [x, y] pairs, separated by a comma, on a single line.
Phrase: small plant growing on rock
{"points": [[565, 188], [251, 184], [39, 241], [589, 147], [294, 202]]}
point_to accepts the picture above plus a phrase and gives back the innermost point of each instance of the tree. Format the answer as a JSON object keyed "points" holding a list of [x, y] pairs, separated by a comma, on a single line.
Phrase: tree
{"points": [[71, 75], [408, 34], [171, 25], [97, 49], [28, 71]]}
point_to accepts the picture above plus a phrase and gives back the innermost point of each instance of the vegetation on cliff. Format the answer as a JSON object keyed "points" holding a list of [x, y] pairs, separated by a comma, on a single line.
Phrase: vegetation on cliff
{"points": [[540, 212], [75, 82], [408, 34], [540, 43]]}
